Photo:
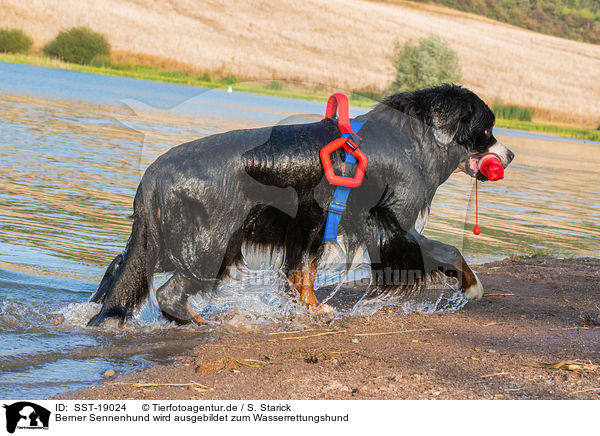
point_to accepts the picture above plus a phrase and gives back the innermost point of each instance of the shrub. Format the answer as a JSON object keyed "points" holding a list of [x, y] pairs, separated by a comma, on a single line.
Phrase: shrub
{"points": [[78, 45], [14, 41], [229, 80], [430, 62], [275, 85], [512, 112], [102, 61], [204, 77]]}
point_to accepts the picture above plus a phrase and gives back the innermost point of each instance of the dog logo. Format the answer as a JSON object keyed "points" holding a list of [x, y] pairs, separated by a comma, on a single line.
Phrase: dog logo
{"points": [[26, 415]]}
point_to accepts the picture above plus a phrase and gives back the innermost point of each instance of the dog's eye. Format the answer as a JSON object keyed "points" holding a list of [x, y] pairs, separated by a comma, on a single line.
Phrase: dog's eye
{"points": [[487, 132]]}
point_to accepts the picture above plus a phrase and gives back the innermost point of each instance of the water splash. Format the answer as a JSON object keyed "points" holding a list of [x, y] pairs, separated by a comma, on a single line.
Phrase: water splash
{"points": [[255, 293], [436, 294], [78, 314]]}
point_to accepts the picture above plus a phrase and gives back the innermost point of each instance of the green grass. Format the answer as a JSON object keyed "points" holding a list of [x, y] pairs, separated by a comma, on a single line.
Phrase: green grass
{"points": [[568, 132], [360, 98]]}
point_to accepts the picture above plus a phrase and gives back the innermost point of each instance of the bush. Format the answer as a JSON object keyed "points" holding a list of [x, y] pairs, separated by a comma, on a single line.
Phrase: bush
{"points": [[228, 80], [14, 41], [204, 77], [78, 45], [430, 62], [101, 61], [512, 112], [275, 85]]}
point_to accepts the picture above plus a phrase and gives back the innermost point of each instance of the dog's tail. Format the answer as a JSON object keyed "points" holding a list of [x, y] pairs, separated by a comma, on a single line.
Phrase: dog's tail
{"points": [[125, 282]]}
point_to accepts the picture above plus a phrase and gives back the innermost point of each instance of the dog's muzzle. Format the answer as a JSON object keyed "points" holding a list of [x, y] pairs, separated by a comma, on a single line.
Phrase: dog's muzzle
{"points": [[504, 154]]}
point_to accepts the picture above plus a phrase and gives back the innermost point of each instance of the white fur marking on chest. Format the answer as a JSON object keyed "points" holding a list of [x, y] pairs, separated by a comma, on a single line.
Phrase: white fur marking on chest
{"points": [[422, 219]]}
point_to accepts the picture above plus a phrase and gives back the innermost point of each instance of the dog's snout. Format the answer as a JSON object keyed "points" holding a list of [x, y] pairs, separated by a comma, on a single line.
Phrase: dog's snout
{"points": [[504, 154], [510, 157]]}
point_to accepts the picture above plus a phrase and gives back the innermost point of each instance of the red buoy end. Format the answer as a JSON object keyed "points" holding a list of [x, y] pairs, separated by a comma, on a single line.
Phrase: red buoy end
{"points": [[490, 166]]}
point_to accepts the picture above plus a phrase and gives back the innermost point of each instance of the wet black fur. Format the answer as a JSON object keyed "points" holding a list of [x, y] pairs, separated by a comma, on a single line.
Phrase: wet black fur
{"points": [[266, 186]]}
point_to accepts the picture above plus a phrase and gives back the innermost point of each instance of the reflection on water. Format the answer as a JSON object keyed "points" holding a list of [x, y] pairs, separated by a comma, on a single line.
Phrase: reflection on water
{"points": [[70, 164]]}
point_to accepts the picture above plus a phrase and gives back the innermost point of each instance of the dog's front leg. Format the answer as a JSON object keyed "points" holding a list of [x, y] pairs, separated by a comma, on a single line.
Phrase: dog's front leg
{"points": [[471, 285], [411, 255], [449, 260]]}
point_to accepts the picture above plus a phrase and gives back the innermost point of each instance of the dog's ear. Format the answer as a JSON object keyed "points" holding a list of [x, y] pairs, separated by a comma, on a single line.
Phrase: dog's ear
{"points": [[464, 131], [451, 121]]}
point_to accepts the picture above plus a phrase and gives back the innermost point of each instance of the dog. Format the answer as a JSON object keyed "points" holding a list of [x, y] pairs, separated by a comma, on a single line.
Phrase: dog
{"points": [[199, 203]]}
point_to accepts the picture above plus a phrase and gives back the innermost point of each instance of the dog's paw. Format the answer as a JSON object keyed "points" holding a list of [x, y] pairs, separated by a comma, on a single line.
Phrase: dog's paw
{"points": [[474, 292], [324, 308]]}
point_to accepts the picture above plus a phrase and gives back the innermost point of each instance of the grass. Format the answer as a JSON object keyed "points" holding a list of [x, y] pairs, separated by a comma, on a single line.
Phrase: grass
{"points": [[566, 131], [187, 75]]}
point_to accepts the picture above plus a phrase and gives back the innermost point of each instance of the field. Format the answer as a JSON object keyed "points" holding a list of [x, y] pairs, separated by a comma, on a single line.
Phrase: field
{"points": [[346, 45]]}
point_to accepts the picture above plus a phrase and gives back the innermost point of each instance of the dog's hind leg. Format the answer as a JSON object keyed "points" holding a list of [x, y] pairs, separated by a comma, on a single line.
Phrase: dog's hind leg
{"points": [[173, 297], [125, 282], [302, 272], [303, 280]]}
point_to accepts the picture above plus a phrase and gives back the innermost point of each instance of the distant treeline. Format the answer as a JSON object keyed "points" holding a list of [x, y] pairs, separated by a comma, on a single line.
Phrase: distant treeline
{"points": [[573, 19]]}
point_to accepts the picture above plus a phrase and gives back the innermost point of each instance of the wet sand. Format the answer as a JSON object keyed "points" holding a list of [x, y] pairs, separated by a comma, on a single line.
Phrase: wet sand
{"points": [[536, 315]]}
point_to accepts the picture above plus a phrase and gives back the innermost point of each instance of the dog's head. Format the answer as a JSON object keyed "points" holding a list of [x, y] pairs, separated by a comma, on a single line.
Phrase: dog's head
{"points": [[459, 119], [459, 116]]}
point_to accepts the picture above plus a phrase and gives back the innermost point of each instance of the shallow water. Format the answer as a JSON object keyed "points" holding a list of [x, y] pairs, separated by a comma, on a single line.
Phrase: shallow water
{"points": [[73, 147]]}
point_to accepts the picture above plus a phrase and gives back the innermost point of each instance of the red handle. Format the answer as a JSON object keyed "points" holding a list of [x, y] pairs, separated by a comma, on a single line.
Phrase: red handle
{"points": [[339, 100], [350, 182]]}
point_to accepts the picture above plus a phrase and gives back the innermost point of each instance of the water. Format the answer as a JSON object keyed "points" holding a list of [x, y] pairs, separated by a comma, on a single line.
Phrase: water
{"points": [[73, 148]]}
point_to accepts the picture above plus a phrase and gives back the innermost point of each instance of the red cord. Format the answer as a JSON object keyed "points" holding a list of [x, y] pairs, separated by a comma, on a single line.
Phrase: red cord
{"points": [[476, 229]]}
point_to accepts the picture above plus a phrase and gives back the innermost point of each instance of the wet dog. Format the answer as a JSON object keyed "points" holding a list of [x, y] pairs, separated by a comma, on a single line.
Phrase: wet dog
{"points": [[199, 203]]}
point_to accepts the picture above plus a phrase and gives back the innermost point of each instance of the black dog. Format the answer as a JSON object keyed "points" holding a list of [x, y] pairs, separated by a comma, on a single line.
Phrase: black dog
{"points": [[200, 202]]}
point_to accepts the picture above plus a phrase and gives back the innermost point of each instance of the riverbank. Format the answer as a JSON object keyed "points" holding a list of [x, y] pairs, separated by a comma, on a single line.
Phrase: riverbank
{"points": [[187, 75], [534, 335]]}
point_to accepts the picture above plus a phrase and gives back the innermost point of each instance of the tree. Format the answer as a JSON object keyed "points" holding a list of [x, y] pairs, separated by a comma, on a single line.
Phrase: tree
{"points": [[430, 62]]}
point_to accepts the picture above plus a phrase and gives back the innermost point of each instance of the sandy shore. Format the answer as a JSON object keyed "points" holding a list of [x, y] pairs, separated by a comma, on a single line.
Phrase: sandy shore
{"points": [[536, 315]]}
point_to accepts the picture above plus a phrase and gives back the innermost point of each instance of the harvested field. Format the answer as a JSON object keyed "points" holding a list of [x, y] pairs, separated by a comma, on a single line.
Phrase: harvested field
{"points": [[338, 43]]}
